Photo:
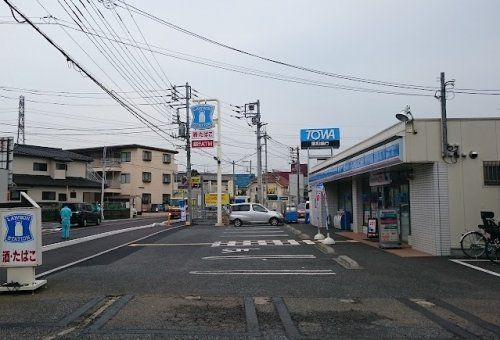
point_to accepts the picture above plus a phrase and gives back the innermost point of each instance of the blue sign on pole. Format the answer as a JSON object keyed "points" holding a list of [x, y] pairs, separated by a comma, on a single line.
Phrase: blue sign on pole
{"points": [[320, 138], [202, 117]]}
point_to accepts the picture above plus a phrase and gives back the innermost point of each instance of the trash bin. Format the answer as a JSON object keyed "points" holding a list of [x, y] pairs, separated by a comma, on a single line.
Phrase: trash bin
{"points": [[345, 221]]}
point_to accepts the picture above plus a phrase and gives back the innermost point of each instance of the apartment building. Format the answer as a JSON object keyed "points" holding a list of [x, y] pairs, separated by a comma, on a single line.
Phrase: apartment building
{"points": [[52, 175], [143, 175]]}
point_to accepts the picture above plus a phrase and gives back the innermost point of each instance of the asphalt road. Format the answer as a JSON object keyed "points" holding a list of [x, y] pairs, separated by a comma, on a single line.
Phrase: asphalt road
{"points": [[250, 282]]}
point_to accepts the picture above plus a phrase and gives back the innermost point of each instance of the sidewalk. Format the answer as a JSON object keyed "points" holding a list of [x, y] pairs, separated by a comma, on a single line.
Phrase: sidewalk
{"points": [[405, 251]]}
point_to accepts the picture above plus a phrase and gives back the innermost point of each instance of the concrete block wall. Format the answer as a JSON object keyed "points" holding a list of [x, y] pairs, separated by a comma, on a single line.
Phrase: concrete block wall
{"points": [[429, 209]]}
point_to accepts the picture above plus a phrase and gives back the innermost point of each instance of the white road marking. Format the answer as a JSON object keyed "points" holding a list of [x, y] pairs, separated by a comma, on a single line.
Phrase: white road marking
{"points": [[476, 267], [423, 303], [308, 242], [258, 242], [92, 237], [254, 232], [168, 244], [265, 272], [101, 253], [257, 235], [237, 250], [258, 257]]}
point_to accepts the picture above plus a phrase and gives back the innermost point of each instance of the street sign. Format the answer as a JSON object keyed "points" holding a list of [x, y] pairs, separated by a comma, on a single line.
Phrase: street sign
{"points": [[209, 143], [202, 134], [320, 138], [202, 117], [211, 199]]}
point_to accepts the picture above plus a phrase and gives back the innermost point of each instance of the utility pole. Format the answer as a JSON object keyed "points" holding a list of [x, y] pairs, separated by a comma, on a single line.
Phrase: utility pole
{"points": [[188, 156], [253, 110], [103, 179], [297, 166], [20, 123], [265, 165], [234, 185], [445, 147]]}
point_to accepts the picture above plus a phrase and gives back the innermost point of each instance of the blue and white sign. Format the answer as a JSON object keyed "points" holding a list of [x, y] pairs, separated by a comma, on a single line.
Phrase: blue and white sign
{"points": [[320, 138], [18, 228], [202, 117], [388, 154]]}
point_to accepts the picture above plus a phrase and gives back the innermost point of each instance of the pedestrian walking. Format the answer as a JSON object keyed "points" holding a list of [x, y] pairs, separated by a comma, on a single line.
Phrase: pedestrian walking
{"points": [[65, 222]]}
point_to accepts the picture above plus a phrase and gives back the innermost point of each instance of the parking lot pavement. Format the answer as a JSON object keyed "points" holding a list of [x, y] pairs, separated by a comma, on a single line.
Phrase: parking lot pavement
{"points": [[255, 282]]}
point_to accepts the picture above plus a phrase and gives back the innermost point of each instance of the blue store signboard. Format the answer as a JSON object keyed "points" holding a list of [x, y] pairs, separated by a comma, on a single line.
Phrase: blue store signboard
{"points": [[320, 138], [390, 153], [202, 117]]}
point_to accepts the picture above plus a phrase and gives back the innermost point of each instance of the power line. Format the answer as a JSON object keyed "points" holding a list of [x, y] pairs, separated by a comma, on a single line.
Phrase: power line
{"points": [[151, 125]]}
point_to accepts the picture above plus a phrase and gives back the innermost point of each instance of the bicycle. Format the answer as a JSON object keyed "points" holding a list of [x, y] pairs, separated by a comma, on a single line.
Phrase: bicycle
{"points": [[492, 247], [473, 243]]}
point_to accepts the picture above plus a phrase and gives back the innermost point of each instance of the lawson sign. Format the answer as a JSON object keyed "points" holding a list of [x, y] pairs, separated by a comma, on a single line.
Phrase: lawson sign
{"points": [[320, 138]]}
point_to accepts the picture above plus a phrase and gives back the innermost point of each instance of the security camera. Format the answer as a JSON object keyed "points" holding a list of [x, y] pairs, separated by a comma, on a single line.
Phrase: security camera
{"points": [[473, 154]]}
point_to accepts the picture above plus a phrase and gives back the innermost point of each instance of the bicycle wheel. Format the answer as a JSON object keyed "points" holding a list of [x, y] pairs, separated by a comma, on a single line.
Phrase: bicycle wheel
{"points": [[473, 244], [493, 250]]}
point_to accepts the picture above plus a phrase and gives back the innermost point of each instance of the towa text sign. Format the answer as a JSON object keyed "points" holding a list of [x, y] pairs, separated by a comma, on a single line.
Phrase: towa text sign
{"points": [[320, 138]]}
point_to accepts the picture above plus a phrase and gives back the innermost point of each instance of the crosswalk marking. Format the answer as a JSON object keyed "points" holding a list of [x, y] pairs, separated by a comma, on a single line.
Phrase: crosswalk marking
{"points": [[247, 243]]}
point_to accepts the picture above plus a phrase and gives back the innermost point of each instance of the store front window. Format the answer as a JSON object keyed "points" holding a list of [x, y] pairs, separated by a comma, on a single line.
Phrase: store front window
{"points": [[344, 193], [388, 190]]}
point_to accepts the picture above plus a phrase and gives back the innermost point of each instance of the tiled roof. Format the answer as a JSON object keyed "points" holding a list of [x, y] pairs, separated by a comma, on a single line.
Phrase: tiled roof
{"points": [[274, 178], [47, 181], [50, 153]]}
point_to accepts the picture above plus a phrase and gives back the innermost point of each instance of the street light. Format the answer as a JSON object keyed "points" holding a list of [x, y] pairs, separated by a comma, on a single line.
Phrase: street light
{"points": [[406, 117]]}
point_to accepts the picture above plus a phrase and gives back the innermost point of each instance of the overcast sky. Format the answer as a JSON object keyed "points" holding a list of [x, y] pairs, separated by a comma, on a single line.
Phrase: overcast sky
{"points": [[407, 42]]}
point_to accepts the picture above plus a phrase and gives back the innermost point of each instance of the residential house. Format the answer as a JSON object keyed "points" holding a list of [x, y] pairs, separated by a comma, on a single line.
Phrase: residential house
{"points": [[276, 185], [52, 175], [143, 175]]}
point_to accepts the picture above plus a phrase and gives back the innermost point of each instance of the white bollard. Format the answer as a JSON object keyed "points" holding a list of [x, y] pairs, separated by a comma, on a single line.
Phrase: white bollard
{"points": [[319, 236], [328, 240]]}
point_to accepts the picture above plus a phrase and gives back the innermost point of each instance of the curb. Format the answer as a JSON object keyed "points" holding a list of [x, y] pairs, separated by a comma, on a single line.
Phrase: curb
{"points": [[347, 262], [322, 247], [325, 249]]}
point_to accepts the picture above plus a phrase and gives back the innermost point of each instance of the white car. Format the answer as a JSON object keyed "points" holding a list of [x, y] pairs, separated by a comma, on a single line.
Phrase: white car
{"points": [[250, 213]]}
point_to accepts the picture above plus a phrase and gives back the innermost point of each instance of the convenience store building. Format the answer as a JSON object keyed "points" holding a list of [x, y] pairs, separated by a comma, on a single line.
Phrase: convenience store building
{"points": [[436, 197]]}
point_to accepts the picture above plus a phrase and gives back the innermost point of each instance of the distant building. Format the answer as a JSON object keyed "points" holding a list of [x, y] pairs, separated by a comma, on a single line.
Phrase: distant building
{"points": [[276, 184], [202, 184], [52, 175], [144, 175]]}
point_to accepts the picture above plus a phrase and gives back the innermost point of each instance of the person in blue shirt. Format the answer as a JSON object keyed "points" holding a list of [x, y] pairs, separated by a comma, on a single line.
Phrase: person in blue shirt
{"points": [[65, 222]]}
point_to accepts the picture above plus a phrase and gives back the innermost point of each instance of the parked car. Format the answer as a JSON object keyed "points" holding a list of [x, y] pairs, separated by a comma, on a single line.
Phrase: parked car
{"points": [[301, 210], [175, 213], [249, 213], [83, 214]]}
